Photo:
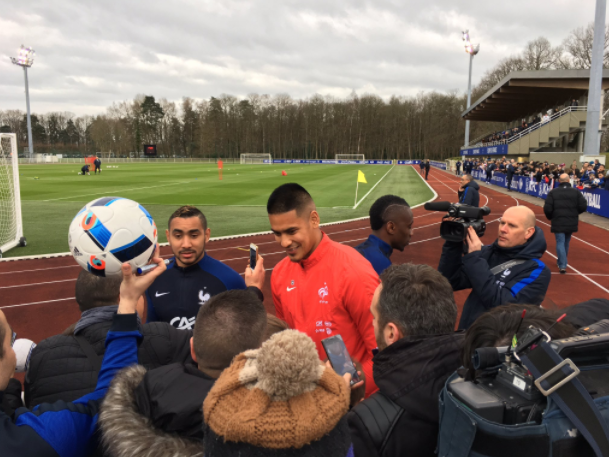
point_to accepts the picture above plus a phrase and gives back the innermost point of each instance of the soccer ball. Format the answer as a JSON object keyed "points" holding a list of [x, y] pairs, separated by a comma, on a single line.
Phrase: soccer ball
{"points": [[110, 231]]}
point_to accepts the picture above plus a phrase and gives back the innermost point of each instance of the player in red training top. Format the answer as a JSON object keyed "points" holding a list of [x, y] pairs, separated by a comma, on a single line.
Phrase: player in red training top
{"points": [[322, 288]]}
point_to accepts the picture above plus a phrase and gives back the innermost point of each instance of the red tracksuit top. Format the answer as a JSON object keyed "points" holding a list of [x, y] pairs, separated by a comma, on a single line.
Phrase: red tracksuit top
{"points": [[330, 294]]}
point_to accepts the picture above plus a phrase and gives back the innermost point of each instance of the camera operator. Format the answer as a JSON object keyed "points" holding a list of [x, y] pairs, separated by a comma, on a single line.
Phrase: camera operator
{"points": [[468, 191], [507, 271]]}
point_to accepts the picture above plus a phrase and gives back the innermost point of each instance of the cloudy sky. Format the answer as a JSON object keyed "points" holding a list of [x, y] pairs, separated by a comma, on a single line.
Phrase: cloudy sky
{"points": [[90, 54]]}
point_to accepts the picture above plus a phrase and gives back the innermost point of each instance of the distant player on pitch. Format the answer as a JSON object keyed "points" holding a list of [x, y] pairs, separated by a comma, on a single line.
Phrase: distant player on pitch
{"points": [[97, 164], [85, 170]]}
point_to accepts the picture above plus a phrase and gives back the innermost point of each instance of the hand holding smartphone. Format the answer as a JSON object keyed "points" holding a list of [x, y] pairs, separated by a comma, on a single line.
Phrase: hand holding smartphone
{"points": [[253, 255], [339, 357]]}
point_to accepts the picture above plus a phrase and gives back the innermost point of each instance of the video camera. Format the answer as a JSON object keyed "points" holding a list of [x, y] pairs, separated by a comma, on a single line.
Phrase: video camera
{"points": [[504, 390], [458, 218]]}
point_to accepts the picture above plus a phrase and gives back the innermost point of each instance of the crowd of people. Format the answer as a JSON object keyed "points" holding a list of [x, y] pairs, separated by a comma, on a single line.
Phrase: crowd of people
{"points": [[588, 175], [186, 361]]}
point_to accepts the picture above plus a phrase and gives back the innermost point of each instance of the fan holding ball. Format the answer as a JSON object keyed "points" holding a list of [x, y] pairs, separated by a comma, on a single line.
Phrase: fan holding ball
{"points": [[111, 231]]}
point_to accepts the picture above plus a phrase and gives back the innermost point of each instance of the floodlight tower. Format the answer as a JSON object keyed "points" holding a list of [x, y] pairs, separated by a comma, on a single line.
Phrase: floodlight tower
{"points": [[25, 59], [472, 50]]}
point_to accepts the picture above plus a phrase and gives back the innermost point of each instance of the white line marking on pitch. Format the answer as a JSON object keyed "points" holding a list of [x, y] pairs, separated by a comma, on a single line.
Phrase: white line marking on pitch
{"points": [[107, 192], [377, 183]]}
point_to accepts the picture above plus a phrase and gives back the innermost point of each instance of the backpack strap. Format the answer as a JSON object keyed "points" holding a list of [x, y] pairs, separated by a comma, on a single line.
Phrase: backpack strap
{"points": [[506, 265], [379, 414], [94, 359]]}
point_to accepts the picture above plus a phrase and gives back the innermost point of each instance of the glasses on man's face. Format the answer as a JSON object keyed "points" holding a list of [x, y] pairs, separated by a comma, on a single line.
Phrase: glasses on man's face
{"points": [[13, 338]]}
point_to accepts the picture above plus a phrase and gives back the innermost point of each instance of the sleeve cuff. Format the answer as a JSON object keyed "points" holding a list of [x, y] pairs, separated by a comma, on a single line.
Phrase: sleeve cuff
{"points": [[256, 291], [124, 323]]}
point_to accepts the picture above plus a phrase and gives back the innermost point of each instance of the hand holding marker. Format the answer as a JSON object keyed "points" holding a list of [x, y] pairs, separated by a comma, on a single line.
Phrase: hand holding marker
{"points": [[148, 268]]}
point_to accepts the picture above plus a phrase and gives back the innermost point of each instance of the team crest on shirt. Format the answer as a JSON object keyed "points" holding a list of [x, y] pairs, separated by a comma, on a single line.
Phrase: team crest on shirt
{"points": [[203, 296], [323, 293]]}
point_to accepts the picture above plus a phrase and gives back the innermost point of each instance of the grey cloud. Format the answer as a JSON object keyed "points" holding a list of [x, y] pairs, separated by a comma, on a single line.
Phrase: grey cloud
{"points": [[91, 54]]}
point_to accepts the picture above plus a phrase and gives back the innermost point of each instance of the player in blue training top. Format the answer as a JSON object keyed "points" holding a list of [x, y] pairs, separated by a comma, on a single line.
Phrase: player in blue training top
{"points": [[85, 169], [193, 277], [391, 222]]}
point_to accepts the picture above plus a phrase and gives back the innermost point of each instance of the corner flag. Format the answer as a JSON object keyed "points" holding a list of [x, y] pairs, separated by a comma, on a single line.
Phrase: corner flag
{"points": [[361, 177]]}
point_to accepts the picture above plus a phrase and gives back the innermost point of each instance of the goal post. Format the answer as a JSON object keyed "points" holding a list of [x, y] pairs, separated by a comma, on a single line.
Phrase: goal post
{"points": [[255, 159], [349, 157], [11, 224]]}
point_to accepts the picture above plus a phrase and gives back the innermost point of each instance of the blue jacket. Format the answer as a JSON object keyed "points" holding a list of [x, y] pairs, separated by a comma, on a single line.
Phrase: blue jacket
{"points": [[526, 283], [377, 252], [176, 296], [470, 195], [66, 429]]}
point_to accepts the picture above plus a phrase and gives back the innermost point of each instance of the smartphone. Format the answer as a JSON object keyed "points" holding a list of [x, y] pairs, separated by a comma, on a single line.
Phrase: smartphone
{"points": [[253, 255], [339, 357]]}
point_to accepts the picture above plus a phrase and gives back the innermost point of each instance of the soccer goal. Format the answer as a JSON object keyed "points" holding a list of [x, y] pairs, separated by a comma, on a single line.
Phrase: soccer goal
{"points": [[11, 225], [249, 159], [350, 157]]}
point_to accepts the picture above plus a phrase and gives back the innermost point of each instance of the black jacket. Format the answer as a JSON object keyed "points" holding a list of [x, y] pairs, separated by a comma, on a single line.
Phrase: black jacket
{"points": [[60, 370], [524, 283], [510, 170], [469, 195], [563, 206], [587, 312], [411, 373], [158, 412]]}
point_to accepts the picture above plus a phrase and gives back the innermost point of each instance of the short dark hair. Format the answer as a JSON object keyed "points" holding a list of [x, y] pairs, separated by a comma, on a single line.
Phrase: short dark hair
{"points": [[497, 327], [3, 329], [226, 325], [288, 197], [273, 325], [95, 291], [417, 299], [379, 207], [186, 212]]}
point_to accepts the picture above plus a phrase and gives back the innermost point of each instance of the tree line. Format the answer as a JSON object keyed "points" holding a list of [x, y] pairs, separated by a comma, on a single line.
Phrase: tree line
{"points": [[402, 127]]}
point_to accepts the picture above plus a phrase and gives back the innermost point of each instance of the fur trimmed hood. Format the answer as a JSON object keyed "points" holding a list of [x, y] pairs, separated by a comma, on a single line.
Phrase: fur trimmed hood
{"points": [[127, 433]]}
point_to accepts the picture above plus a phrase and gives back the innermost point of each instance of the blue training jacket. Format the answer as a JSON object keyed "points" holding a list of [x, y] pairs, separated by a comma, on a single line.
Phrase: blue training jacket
{"points": [[66, 429], [526, 283], [377, 252]]}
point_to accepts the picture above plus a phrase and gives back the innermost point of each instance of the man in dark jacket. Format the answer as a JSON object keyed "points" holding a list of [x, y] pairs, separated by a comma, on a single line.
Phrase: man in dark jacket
{"points": [[97, 163], [468, 191], [489, 171], [427, 167], [510, 170], [66, 429], [65, 367], [508, 271], [414, 319], [458, 168], [143, 409], [563, 206], [391, 223]]}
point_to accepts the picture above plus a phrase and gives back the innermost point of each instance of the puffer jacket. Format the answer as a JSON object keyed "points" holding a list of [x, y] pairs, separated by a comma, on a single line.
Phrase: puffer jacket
{"points": [[563, 206], [524, 283], [60, 370]]}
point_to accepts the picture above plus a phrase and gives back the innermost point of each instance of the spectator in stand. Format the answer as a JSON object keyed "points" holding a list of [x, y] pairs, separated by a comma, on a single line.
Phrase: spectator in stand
{"points": [[158, 412], [391, 223], [574, 102], [193, 277], [510, 170], [65, 367], [458, 168], [67, 429], [597, 164], [414, 319], [278, 401], [468, 191], [601, 180], [492, 272], [562, 207], [322, 287]]}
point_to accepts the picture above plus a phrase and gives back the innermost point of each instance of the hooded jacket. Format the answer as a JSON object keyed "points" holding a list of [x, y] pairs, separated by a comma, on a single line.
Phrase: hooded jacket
{"points": [[411, 373], [469, 195], [563, 206], [156, 412], [60, 370], [524, 283]]}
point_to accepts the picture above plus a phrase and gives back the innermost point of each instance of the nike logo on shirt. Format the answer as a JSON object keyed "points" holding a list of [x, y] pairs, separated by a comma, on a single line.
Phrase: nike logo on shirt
{"points": [[290, 288], [160, 295]]}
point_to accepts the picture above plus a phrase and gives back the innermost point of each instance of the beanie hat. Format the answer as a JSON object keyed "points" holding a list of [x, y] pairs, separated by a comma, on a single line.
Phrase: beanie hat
{"points": [[278, 400]]}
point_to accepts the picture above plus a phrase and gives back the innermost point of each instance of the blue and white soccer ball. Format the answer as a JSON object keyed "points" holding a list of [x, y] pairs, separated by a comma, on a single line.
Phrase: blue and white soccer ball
{"points": [[110, 231]]}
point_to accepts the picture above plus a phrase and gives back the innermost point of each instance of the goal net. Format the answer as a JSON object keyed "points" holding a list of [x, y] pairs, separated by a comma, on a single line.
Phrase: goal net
{"points": [[349, 157], [248, 159], [11, 226]]}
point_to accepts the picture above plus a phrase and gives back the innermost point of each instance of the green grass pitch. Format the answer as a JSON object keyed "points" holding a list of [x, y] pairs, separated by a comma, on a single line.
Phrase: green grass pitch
{"points": [[53, 194]]}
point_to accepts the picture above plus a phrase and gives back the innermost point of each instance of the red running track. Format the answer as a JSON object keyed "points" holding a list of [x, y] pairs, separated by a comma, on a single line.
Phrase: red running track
{"points": [[37, 295]]}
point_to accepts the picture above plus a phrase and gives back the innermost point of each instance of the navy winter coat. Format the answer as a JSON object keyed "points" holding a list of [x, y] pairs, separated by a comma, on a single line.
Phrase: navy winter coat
{"points": [[470, 195], [526, 283]]}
